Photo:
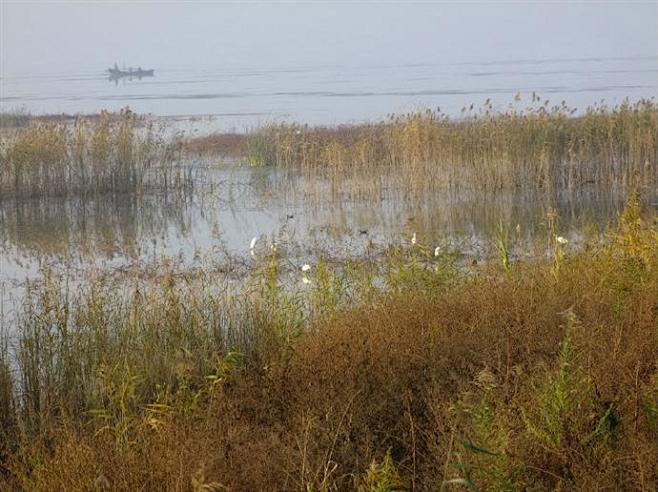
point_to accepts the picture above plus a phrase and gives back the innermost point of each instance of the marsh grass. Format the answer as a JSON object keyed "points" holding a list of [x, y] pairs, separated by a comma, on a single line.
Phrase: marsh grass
{"points": [[7, 402], [16, 118], [405, 372], [542, 147], [20, 117], [108, 154]]}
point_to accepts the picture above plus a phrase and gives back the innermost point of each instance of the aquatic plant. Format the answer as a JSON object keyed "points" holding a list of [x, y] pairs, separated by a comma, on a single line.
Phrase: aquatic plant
{"points": [[16, 118], [110, 154], [541, 147]]}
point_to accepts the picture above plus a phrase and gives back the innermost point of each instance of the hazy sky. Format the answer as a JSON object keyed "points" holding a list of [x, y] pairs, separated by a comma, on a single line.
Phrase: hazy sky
{"points": [[46, 36]]}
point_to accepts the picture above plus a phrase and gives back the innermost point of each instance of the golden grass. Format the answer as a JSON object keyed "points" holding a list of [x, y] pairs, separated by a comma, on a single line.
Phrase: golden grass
{"points": [[407, 373], [107, 154], [20, 117], [16, 118], [541, 147]]}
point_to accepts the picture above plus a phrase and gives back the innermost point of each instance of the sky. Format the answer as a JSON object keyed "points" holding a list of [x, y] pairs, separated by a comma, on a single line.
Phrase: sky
{"points": [[41, 37]]}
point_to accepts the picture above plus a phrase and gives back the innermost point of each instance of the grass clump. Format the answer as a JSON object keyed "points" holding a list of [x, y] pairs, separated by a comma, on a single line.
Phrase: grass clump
{"points": [[415, 378], [7, 407], [109, 155]]}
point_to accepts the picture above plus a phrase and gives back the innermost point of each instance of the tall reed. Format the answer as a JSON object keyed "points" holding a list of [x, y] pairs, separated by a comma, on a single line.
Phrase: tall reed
{"points": [[15, 118], [107, 155], [540, 147]]}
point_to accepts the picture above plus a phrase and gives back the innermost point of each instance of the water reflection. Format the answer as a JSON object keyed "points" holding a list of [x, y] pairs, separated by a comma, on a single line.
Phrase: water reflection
{"points": [[212, 227], [238, 203], [105, 226], [116, 73]]}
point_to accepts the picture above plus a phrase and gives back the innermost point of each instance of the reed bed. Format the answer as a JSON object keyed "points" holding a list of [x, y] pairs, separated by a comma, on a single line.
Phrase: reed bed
{"points": [[405, 373], [107, 154], [544, 146], [20, 117], [15, 118]]}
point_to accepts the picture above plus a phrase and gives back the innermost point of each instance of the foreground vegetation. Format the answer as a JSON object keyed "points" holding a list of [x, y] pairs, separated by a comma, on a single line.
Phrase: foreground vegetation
{"points": [[540, 147], [108, 153], [407, 373]]}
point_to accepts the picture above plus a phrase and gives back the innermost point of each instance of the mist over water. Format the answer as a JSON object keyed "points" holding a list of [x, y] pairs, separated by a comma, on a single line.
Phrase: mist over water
{"points": [[242, 98], [322, 63]]}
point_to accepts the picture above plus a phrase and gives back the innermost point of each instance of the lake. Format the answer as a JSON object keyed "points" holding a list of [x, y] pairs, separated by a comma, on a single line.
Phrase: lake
{"points": [[226, 98], [236, 203]]}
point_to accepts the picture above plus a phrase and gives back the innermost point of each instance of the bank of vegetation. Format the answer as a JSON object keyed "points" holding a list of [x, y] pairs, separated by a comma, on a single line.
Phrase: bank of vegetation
{"points": [[110, 153], [544, 146], [412, 372]]}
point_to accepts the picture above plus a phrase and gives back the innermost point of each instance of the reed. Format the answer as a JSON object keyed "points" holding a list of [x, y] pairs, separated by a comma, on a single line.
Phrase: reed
{"points": [[7, 404], [107, 154], [16, 118], [540, 147], [409, 372]]}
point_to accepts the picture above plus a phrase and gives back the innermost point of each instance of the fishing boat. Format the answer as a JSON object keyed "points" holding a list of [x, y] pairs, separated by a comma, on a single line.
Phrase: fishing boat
{"points": [[117, 73]]}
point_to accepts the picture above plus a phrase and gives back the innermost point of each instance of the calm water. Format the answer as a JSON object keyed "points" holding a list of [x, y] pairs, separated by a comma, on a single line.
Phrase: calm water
{"points": [[212, 228], [238, 203], [242, 98]]}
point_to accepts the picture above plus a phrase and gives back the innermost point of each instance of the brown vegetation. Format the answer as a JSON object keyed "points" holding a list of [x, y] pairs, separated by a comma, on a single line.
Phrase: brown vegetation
{"points": [[539, 375], [542, 147], [20, 118], [223, 144], [108, 154]]}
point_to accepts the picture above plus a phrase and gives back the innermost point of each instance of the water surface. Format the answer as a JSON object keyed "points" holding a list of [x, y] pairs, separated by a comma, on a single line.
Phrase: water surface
{"points": [[219, 98]]}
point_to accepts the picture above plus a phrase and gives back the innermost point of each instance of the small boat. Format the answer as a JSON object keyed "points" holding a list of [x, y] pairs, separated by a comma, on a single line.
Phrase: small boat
{"points": [[117, 73]]}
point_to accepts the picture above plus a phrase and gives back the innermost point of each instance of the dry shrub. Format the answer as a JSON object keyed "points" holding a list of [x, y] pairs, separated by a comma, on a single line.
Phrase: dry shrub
{"points": [[533, 377], [225, 144]]}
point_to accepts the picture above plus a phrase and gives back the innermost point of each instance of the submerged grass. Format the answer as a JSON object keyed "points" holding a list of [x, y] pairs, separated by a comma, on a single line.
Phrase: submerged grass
{"points": [[402, 374], [108, 154]]}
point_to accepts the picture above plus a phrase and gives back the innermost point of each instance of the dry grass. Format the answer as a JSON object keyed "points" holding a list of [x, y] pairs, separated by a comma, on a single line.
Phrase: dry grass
{"points": [[224, 144], [107, 154], [16, 118], [537, 375], [541, 147], [21, 117]]}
